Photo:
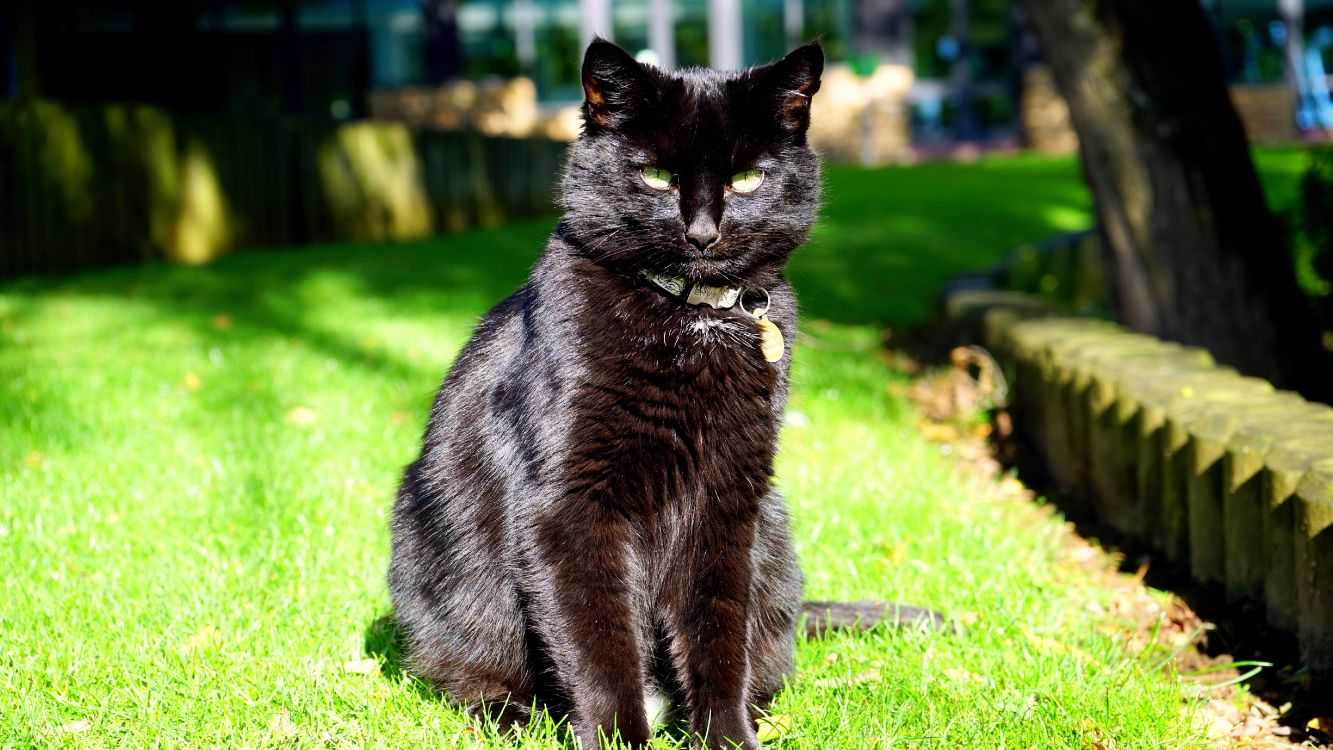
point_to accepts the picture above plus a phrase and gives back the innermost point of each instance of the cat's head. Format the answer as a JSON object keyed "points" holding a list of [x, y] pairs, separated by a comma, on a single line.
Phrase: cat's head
{"points": [[698, 173]]}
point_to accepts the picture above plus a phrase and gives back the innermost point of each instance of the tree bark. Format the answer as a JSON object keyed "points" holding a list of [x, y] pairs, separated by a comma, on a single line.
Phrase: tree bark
{"points": [[444, 50], [1193, 252], [884, 27], [25, 50]]}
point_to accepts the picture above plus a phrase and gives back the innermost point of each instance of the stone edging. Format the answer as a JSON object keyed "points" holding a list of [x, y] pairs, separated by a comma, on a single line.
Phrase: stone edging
{"points": [[1220, 473]]}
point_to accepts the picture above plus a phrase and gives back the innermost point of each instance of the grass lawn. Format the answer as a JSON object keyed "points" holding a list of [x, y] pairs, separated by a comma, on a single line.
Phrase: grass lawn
{"points": [[196, 467]]}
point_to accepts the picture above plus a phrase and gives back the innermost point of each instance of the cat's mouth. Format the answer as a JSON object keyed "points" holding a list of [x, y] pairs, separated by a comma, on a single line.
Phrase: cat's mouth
{"points": [[713, 271]]}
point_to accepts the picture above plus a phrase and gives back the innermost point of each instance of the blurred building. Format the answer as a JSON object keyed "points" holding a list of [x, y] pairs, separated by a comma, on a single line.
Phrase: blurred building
{"points": [[958, 70]]}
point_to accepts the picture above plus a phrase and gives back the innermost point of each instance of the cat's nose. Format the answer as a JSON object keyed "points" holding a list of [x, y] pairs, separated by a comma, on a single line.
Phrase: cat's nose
{"points": [[702, 233]]}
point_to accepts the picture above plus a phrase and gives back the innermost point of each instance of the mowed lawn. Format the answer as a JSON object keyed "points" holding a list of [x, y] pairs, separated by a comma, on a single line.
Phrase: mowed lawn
{"points": [[197, 466]]}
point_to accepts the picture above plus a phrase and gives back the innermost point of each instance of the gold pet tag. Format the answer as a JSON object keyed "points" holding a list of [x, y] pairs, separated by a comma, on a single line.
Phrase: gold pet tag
{"points": [[770, 337], [770, 340]]}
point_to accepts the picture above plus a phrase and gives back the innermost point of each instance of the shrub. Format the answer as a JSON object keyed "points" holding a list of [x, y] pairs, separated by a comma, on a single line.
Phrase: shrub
{"points": [[1313, 240]]}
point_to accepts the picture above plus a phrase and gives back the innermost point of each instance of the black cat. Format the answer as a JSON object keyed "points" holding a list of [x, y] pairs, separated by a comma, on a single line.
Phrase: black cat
{"points": [[592, 517]]}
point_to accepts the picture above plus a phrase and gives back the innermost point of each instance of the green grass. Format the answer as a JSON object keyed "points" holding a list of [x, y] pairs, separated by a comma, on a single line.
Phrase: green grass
{"points": [[196, 467]]}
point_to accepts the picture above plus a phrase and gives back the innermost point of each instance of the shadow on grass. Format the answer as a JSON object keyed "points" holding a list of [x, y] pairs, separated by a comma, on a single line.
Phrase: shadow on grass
{"points": [[385, 642], [888, 239]]}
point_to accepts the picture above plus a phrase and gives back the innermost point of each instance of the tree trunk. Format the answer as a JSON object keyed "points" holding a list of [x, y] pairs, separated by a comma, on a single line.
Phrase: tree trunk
{"points": [[444, 51], [1193, 252], [25, 50], [884, 28]]}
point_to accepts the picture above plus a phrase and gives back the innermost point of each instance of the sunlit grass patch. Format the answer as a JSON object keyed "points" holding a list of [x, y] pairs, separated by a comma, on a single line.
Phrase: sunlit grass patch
{"points": [[197, 466]]}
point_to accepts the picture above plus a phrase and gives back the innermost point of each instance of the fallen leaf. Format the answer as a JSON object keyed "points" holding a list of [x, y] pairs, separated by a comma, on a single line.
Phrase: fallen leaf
{"points": [[302, 416], [895, 555], [361, 666], [1142, 572], [281, 725], [1095, 738], [76, 727], [939, 433], [962, 675], [774, 727], [192, 381], [1248, 728], [208, 637], [221, 322]]}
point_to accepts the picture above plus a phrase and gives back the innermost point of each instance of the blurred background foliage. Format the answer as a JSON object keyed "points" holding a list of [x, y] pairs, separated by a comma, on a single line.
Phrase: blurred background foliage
{"points": [[133, 132], [1309, 221]]}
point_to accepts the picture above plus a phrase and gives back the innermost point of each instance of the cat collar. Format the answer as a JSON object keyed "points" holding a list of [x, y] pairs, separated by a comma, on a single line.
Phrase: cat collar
{"points": [[716, 297], [723, 298]]}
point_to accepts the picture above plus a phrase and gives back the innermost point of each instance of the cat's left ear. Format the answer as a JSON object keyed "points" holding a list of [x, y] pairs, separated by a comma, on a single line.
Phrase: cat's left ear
{"points": [[616, 87], [792, 83]]}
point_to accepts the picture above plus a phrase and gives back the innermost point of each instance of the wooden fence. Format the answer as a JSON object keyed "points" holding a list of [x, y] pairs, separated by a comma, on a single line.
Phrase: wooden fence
{"points": [[93, 186]]}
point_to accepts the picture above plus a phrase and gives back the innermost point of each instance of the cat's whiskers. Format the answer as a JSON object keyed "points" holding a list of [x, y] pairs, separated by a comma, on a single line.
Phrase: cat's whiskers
{"points": [[606, 238]]}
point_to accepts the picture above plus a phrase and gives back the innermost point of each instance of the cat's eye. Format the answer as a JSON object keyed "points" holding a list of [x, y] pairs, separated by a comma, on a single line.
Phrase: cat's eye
{"points": [[656, 178], [747, 181]]}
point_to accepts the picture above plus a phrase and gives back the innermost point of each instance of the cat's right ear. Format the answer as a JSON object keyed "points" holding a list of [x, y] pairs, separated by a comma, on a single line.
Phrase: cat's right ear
{"points": [[616, 87]]}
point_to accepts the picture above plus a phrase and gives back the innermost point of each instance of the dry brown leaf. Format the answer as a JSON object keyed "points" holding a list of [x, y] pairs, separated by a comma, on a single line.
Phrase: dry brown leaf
{"points": [[895, 556], [208, 637], [281, 725], [75, 727], [774, 727], [302, 416], [361, 666], [939, 433], [1250, 727], [1093, 737], [962, 675]]}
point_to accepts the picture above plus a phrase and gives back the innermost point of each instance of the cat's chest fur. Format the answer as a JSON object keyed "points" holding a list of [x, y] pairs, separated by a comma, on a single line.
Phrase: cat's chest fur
{"points": [[675, 402]]}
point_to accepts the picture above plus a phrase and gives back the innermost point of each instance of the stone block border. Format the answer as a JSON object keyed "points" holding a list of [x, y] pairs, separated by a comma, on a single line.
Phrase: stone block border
{"points": [[1223, 475]]}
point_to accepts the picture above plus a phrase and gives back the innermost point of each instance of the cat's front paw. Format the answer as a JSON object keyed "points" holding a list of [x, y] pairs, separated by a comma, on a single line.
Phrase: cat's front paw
{"points": [[632, 734], [740, 736]]}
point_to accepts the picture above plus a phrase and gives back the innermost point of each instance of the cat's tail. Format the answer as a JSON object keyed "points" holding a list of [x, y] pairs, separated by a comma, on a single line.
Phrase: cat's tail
{"points": [[822, 618]]}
